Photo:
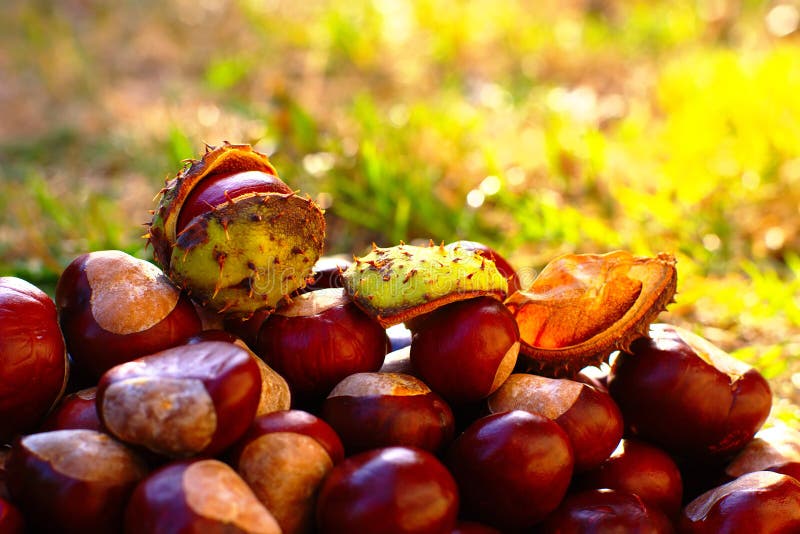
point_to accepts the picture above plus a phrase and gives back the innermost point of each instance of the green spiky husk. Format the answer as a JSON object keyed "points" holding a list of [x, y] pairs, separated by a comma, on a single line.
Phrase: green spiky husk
{"points": [[396, 284], [248, 254]]}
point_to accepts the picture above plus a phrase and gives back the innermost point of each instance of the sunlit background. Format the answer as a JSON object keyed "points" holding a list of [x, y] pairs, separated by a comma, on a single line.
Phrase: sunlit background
{"points": [[538, 127]]}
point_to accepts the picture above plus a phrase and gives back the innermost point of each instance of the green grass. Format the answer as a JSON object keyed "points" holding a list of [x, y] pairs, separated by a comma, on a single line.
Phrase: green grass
{"points": [[648, 126]]}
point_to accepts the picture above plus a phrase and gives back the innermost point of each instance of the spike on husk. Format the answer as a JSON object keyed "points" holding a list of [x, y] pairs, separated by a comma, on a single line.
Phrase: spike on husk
{"points": [[583, 307], [244, 254], [396, 284]]}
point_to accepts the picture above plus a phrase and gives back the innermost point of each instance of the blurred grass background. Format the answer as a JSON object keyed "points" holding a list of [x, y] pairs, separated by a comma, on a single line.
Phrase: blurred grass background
{"points": [[538, 127]]}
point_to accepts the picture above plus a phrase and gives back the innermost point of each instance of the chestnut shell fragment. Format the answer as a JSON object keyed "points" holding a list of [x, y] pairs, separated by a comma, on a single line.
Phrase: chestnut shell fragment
{"points": [[583, 307]]}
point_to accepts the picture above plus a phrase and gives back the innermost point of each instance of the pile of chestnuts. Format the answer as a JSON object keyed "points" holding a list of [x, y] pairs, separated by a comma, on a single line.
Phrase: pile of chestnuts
{"points": [[252, 384]]}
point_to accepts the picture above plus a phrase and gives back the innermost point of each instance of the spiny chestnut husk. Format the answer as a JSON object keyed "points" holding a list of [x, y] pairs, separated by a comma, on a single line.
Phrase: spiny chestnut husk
{"points": [[397, 284], [583, 307], [254, 244]]}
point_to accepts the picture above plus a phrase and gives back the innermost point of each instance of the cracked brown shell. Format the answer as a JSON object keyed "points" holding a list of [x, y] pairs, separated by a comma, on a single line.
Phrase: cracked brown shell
{"points": [[583, 307]]}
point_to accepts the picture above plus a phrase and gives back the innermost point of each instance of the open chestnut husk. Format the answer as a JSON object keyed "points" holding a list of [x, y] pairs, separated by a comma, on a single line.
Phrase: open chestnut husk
{"points": [[372, 410], [642, 469], [33, 361], [583, 307], [393, 490], [233, 235], [284, 457], [184, 401], [73, 481], [761, 501], [114, 308], [202, 495], [605, 510], [512, 469], [318, 340], [682, 393], [466, 349], [590, 417]]}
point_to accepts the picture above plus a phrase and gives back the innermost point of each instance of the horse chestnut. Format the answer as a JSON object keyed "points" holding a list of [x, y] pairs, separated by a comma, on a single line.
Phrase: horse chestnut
{"points": [[73, 481], [761, 501], [512, 469], [687, 396], [466, 349], [590, 417], [184, 401], [372, 410], [201, 495], [393, 490], [284, 457], [318, 340], [33, 361], [114, 308]]}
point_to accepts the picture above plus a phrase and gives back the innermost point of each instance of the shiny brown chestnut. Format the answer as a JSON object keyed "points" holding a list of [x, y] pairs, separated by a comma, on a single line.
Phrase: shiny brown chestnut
{"points": [[284, 457], [69, 481], [393, 490], [601, 511], [275, 393], [319, 339], [114, 308], [761, 501], [682, 393], [76, 410], [11, 520], [202, 495], [512, 469], [640, 468], [33, 361], [184, 401], [503, 266], [776, 448], [466, 349], [590, 417], [372, 410]]}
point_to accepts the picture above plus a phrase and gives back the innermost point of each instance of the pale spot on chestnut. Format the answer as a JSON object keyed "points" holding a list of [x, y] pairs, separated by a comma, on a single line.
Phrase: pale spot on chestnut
{"points": [[555, 396], [284, 469], [174, 416], [215, 491], [128, 295], [367, 384], [67, 450], [315, 302]]}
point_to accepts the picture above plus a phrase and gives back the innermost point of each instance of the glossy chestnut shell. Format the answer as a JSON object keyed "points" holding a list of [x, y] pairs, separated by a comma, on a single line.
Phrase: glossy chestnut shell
{"points": [[114, 308], [390, 490], [33, 360], [687, 396]]}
